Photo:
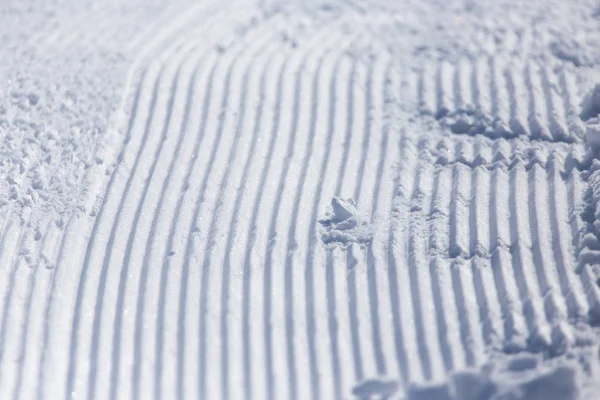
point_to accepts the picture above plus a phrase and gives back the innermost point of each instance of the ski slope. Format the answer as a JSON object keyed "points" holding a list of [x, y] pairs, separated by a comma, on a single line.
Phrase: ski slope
{"points": [[279, 200]]}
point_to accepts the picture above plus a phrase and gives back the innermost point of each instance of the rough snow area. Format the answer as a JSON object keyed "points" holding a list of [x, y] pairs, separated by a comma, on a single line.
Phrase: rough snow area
{"points": [[287, 199]]}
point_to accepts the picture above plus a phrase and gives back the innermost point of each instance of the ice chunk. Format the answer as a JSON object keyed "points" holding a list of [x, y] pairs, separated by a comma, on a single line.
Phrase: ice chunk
{"points": [[342, 209]]}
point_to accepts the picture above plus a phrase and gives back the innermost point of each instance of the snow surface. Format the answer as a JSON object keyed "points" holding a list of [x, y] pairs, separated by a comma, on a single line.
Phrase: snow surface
{"points": [[300, 199]]}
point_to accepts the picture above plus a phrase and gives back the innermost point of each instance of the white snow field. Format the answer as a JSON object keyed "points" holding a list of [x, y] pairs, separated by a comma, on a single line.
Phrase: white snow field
{"points": [[324, 199]]}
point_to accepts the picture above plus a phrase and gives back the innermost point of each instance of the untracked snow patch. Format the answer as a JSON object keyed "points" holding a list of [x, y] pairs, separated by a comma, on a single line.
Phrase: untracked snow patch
{"points": [[343, 225]]}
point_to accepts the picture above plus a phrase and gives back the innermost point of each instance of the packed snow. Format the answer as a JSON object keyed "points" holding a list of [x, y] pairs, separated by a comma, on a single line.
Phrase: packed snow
{"points": [[284, 199]]}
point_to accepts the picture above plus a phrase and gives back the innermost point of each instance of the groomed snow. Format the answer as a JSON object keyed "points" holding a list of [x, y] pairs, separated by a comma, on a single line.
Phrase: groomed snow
{"points": [[287, 199]]}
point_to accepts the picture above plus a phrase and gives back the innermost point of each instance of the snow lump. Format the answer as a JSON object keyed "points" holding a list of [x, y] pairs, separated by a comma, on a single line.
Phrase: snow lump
{"points": [[342, 224]]}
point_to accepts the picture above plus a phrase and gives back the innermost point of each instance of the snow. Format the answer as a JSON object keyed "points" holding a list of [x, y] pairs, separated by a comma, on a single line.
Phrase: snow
{"points": [[282, 199], [344, 225]]}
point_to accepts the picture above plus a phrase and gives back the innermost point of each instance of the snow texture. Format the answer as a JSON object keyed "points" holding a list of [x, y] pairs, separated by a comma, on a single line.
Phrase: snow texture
{"points": [[285, 199], [343, 224]]}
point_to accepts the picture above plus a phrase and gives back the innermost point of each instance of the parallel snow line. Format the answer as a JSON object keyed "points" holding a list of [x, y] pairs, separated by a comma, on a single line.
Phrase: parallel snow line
{"points": [[273, 124], [334, 320], [490, 314], [370, 134], [408, 358], [515, 329], [447, 315], [190, 68], [248, 381], [143, 298], [35, 331], [345, 186], [310, 264], [538, 116], [208, 76], [331, 175], [114, 238], [567, 85], [297, 314], [192, 171], [503, 106], [520, 244], [563, 249], [22, 335], [15, 237], [504, 99], [264, 178], [228, 290], [272, 108], [354, 143], [274, 250], [346, 296], [136, 384], [460, 244], [159, 211], [380, 218], [556, 294], [295, 282], [8, 243], [377, 165], [419, 271], [93, 238], [104, 277], [359, 104], [542, 321], [50, 302], [250, 55], [539, 220]]}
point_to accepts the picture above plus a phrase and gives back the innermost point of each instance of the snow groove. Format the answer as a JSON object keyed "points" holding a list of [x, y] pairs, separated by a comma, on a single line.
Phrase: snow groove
{"points": [[488, 258], [490, 97], [202, 273]]}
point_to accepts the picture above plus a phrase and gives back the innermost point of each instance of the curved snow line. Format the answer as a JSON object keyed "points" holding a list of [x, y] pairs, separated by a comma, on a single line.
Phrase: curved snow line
{"points": [[96, 237], [149, 238], [271, 152], [67, 238], [17, 234], [190, 68], [331, 96], [247, 382], [41, 300], [23, 335], [335, 282], [274, 251], [163, 282], [148, 179], [241, 71]]}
